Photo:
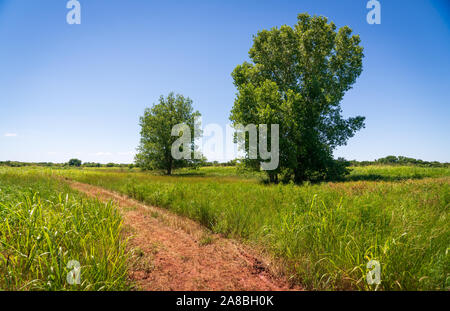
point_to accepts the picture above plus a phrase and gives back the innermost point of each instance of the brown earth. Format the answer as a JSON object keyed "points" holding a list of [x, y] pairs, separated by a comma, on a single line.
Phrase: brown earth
{"points": [[170, 252]]}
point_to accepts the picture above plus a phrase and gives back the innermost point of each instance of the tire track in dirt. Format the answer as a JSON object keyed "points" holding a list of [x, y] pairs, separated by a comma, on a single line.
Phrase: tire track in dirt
{"points": [[170, 252]]}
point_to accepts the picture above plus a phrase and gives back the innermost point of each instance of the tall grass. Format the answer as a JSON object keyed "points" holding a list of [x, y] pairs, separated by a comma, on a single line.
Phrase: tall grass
{"points": [[45, 225], [325, 233]]}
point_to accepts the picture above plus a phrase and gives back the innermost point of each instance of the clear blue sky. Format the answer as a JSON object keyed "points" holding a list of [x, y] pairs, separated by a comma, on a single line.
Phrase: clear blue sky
{"points": [[78, 90]]}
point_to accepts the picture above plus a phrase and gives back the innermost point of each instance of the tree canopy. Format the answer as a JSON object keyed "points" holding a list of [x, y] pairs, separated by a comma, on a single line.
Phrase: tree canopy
{"points": [[74, 162], [297, 79], [154, 151]]}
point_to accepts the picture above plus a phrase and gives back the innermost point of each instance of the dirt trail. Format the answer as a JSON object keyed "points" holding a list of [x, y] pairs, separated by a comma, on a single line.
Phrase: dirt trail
{"points": [[175, 253]]}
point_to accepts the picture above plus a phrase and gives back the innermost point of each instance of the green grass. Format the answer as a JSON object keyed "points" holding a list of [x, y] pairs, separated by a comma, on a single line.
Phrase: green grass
{"points": [[45, 225], [324, 233]]}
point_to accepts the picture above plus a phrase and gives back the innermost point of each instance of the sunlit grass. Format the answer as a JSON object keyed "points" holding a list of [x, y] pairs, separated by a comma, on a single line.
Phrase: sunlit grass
{"points": [[45, 225], [325, 233]]}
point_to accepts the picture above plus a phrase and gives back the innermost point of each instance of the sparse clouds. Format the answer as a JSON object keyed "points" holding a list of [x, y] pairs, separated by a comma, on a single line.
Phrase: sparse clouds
{"points": [[101, 154], [11, 135]]}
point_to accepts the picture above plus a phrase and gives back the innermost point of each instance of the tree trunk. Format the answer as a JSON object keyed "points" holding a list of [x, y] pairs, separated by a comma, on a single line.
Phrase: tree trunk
{"points": [[299, 175], [169, 166], [273, 177]]}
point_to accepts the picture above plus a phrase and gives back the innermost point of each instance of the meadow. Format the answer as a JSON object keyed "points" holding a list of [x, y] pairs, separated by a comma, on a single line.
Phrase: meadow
{"points": [[45, 225], [322, 234]]}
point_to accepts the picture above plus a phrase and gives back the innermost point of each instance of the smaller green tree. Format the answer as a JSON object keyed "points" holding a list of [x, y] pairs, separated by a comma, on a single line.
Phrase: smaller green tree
{"points": [[154, 151], [75, 162]]}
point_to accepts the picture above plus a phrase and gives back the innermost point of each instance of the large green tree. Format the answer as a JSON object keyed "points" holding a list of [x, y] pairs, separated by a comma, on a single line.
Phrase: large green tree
{"points": [[297, 79], [154, 151]]}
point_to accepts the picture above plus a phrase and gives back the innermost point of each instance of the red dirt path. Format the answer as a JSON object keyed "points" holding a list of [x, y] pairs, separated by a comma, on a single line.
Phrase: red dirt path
{"points": [[175, 253]]}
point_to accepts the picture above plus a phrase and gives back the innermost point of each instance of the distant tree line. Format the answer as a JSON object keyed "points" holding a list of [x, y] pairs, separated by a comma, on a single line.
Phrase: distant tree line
{"points": [[389, 160], [22, 164], [70, 163], [400, 160], [234, 162]]}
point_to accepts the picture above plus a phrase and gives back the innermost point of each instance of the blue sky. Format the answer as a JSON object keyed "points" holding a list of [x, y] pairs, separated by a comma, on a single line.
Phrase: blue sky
{"points": [[78, 90]]}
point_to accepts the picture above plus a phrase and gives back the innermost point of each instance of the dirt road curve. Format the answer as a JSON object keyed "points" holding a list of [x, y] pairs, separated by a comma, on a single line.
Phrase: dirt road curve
{"points": [[174, 253]]}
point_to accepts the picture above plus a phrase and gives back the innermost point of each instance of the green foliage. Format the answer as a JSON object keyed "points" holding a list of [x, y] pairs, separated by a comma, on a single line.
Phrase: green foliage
{"points": [[154, 151], [324, 233], [22, 164], [74, 162], [91, 164], [45, 225], [297, 79], [401, 160]]}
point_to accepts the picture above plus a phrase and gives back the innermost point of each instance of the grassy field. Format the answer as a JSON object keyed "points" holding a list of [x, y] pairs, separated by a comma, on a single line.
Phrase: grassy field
{"points": [[45, 225], [323, 233]]}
